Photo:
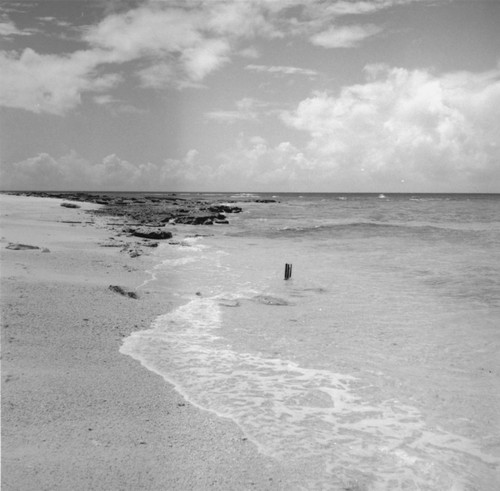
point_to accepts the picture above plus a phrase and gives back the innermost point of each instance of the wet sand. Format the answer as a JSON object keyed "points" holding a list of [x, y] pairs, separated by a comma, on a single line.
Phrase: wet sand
{"points": [[77, 414]]}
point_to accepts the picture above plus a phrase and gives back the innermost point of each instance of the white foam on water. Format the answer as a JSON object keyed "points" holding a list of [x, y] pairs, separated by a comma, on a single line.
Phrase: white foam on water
{"points": [[302, 416]]}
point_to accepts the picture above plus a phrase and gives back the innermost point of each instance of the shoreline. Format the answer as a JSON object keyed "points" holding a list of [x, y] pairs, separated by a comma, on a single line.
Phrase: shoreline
{"points": [[76, 413]]}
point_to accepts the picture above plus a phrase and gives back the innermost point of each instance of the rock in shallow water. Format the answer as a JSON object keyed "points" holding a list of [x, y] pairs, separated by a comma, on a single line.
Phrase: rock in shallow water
{"points": [[269, 300], [151, 233], [21, 247]]}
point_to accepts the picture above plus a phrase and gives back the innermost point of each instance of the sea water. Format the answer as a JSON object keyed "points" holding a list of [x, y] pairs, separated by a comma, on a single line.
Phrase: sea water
{"points": [[375, 367]]}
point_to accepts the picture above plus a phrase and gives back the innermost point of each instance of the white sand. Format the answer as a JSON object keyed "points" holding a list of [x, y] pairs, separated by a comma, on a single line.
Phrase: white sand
{"points": [[77, 414]]}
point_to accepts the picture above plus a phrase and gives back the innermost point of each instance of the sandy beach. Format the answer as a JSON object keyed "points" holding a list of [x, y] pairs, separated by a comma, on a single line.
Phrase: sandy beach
{"points": [[77, 414]]}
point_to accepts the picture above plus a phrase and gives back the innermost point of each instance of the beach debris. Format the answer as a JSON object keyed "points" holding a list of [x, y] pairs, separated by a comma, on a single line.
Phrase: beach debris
{"points": [[149, 243], [288, 271], [70, 205], [21, 247], [122, 291], [79, 222], [113, 243]]}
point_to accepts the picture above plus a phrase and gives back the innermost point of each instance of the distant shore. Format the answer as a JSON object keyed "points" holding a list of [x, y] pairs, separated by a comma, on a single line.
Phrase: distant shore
{"points": [[77, 414]]}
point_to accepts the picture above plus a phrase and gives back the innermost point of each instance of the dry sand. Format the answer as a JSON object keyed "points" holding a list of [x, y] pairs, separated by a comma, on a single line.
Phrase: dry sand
{"points": [[77, 414]]}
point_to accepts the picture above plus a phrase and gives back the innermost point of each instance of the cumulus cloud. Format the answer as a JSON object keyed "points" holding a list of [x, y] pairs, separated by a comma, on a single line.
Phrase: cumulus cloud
{"points": [[171, 41], [204, 58], [145, 31], [253, 163], [411, 126], [49, 83], [72, 172], [246, 19], [401, 130], [344, 36]]}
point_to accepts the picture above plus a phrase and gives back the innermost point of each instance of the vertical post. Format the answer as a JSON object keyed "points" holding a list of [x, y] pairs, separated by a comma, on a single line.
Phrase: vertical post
{"points": [[288, 271]]}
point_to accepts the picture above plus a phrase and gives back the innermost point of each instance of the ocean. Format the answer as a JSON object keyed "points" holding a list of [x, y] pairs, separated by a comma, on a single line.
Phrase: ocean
{"points": [[376, 366]]}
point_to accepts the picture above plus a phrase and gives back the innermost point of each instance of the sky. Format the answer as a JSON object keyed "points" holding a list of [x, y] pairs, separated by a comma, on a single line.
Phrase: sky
{"points": [[250, 95]]}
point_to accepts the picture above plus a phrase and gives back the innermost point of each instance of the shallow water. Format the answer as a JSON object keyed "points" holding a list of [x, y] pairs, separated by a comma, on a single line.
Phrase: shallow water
{"points": [[375, 367]]}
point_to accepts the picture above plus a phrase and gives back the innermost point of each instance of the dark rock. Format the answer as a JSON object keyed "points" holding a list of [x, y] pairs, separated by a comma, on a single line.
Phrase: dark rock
{"points": [[121, 291], [225, 209], [70, 205], [195, 219], [150, 233]]}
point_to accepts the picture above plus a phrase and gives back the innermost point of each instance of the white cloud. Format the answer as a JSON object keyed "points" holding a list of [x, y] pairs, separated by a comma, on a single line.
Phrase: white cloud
{"points": [[344, 36], [145, 31], [247, 109], [440, 132], [8, 29], [72, 172], [205, 57], [343, 7], [49, 83], [254, 164], [177, 43], [179, 47], [250, 52], [280, 69], [157, 76], [243, 18], [43, 172]]}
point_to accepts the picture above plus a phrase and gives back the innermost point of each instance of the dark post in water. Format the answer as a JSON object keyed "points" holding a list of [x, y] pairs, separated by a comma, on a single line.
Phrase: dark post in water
{"points": [[288, 271]]}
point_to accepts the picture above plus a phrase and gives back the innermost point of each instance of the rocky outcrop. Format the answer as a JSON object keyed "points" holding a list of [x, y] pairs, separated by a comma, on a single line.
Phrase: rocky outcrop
{"points": [[145, 215], [224, 209], [194, 219]]}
